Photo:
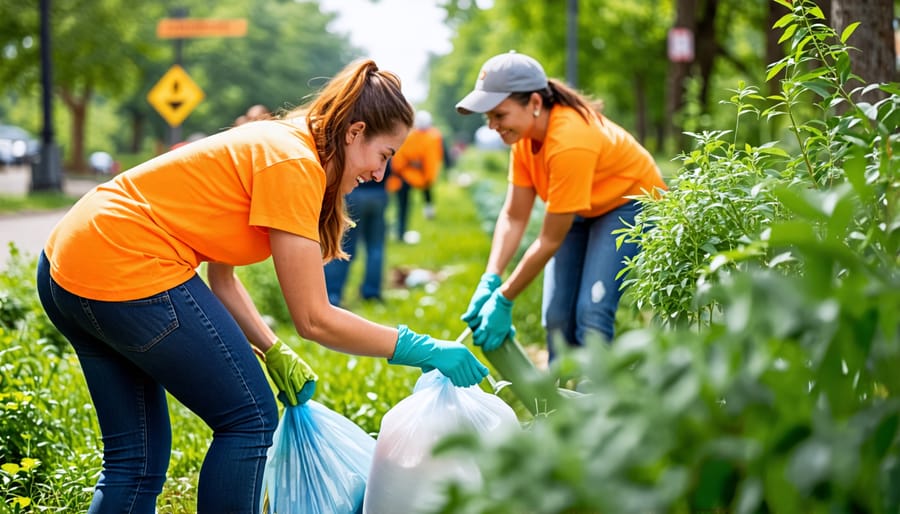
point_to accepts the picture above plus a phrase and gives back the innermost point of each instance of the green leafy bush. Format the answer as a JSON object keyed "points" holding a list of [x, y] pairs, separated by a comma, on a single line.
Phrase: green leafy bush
{"points": [[721, 204], [768, 385]]}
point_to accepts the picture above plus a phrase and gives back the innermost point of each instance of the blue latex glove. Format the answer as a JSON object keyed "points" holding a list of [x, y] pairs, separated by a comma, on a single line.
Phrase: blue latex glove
{"points": [[488, 283], [452, 359], [295, 380], [495, 322]]}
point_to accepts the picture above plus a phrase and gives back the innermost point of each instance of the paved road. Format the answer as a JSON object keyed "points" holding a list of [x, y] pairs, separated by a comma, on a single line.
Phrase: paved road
{"points": [[29, 230]]}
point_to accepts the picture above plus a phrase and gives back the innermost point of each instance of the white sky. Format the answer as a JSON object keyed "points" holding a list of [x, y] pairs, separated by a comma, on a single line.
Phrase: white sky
{"points": [[398, 34]]}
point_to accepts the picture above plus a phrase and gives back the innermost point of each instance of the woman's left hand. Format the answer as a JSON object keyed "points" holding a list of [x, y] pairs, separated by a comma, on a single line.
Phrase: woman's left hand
{"points": [[495, 323]]}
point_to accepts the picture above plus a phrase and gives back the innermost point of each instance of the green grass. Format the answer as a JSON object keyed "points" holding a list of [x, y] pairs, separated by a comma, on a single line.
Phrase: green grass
{"points": [[453, 247], [42, 201]]}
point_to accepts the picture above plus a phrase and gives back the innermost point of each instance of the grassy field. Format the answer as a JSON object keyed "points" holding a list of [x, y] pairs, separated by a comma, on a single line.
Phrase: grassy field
{"points": [[451, 255]]}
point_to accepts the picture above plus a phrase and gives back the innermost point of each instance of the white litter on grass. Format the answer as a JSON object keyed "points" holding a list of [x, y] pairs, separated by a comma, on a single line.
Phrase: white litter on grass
{"points": [[412, 237], [419, 277]]}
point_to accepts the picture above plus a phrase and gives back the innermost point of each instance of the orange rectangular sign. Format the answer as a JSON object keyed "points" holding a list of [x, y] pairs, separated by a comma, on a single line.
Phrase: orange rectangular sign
{"points": [[177, 28]]}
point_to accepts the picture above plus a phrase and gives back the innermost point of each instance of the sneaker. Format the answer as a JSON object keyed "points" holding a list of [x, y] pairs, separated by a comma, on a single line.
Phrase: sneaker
{"points": [[428, 211]]}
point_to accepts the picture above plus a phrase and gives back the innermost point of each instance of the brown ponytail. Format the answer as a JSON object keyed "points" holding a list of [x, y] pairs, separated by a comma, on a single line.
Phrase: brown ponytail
{"points": [[359, 92], [557, 92]]}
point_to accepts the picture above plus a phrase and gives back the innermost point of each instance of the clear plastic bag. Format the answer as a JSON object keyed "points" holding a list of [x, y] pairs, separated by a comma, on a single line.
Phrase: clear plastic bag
{"points": [[405, 476], [319, 462]]}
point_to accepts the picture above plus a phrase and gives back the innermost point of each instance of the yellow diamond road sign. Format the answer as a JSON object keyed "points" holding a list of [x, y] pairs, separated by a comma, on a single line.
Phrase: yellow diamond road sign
{"points": [[175, 95]]}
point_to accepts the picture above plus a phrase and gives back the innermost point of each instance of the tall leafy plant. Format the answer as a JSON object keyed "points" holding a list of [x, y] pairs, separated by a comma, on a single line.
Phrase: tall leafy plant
{"points": [[717, 215], [783, 398]]}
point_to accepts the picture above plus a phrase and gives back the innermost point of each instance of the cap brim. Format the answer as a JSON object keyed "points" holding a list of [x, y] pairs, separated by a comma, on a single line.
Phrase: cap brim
{"points": [[480, 102]]}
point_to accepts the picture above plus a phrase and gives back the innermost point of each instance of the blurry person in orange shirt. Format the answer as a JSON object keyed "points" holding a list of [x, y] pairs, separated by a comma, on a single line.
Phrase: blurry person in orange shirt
{"points": [[118, 277], [417, 166], [584, 168]]}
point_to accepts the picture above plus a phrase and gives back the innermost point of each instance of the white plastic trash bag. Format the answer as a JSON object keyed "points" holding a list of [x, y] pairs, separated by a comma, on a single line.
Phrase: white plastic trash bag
{"points": [[405, 477]]}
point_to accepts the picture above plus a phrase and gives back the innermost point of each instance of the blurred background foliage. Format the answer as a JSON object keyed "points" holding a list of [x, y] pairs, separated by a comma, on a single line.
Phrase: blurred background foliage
{"points": [[106, 57]]}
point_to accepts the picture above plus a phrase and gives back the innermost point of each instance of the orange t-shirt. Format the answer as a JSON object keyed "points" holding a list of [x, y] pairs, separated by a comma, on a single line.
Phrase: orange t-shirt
{"points": [[585, 168], [420, 158], [147, 230]]}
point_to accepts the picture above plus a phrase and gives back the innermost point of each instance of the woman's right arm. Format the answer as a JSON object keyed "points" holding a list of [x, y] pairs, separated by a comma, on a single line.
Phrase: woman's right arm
{"points": [[298, 264], [510, 227]]}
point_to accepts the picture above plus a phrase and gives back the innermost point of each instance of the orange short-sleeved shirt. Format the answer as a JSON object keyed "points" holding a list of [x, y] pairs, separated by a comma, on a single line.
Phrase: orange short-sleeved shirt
{"points": [[149, 228], [420, 158], [581, 167]]}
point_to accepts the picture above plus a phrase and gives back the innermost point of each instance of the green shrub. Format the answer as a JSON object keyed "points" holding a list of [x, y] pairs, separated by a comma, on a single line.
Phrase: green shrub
{"points": [[769, 384], [720, 207]]}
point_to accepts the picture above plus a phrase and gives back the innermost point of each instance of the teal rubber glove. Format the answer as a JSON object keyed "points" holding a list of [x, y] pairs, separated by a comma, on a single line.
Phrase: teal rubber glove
{"points": [[453, 359], [495, 322], [488, 283], [295, 380]]}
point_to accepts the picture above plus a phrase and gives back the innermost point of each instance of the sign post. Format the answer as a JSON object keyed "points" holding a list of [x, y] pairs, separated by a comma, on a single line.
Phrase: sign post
{"points": [[180, 28], [680, 44], [175, 95]]}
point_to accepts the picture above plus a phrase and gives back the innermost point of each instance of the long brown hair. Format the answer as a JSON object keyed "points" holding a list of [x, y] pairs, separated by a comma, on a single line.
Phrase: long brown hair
{"points": [[557, 92], [359, 92]]}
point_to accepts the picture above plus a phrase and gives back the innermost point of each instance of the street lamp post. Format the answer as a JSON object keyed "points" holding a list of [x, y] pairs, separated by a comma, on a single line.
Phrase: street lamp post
{"points": [[46, 174]]}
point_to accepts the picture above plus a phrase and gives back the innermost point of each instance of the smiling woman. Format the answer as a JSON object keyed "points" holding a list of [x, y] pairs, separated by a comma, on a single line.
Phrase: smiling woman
{"points": [[118, 278]]}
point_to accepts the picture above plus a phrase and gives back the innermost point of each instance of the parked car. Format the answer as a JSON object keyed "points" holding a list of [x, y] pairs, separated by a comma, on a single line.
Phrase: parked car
{"points": [[17, 145]]}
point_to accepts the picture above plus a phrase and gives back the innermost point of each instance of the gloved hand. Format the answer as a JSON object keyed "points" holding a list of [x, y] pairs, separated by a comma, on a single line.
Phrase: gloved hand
{"points": [[486, 286], [293, 377], [495, 322], [452, 359]]}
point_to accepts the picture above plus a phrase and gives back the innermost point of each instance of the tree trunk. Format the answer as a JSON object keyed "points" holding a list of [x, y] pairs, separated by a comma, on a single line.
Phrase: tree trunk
{"points": [[137, 131], [875, 60], [774, 51], [678, 72], [640, 97], [707, 49], [78, 109]]}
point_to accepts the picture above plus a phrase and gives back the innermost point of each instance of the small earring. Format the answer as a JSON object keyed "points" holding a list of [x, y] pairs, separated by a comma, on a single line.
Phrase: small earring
{"points": [[537, 112]]}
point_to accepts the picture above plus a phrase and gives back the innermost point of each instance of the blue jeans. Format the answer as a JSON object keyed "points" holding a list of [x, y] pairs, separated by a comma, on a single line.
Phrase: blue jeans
{"points": [[581, 292], [366, 206], [185, 342], [403, 202]]}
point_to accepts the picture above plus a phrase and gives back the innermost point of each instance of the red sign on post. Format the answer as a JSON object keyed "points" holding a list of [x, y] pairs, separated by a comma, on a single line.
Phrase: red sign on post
{"points": [[681, 44], [180, 28]]}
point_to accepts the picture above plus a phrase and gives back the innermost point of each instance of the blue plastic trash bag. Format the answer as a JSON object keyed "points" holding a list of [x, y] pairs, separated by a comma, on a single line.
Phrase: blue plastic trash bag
{"points": [[405, 477], [319, 462]]}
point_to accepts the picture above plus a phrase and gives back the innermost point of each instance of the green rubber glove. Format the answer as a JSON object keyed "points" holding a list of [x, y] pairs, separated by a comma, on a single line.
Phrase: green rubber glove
{"points": [[453, 359], [495, 322], [486, 286], [293, 377]]}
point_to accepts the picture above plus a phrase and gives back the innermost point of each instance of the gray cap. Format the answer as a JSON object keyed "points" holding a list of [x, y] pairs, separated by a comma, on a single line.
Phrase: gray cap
{"points": [[499, 76]]}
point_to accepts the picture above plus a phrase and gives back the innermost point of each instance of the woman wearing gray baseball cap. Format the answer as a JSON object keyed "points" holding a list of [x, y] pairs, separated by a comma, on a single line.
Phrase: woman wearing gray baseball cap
{"points": [[585, 169]]}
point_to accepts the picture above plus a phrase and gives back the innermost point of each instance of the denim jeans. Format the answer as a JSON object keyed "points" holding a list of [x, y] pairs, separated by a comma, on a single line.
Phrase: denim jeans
{"points": [[366, 206], [403, 202], [185, 342], [581, 292]]}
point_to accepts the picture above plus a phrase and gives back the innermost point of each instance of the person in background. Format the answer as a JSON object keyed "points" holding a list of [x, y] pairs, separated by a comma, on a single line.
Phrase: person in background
{"points": [[366, 206], [254, 113], [417, 166], [118, 278], [584, 168], [258, 112]]}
